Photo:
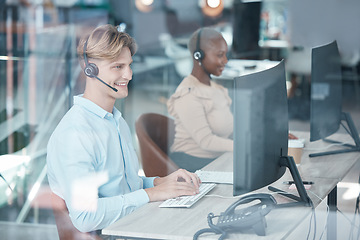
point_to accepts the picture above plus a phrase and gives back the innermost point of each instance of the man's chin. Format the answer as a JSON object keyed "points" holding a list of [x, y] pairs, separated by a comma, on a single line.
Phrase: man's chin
{"points": [[122, 95]]}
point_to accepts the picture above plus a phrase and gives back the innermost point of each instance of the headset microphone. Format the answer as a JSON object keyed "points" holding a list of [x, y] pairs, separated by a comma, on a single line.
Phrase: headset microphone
{"points": [[91, 70], [106, 84]]}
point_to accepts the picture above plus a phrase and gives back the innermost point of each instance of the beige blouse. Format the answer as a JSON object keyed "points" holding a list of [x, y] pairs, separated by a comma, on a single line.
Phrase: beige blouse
{"points": [[203, 118]]}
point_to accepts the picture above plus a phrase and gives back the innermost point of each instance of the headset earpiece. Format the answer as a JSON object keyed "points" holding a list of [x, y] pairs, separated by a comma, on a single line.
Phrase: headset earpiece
{"points": [[198, 53], [90, 70]]}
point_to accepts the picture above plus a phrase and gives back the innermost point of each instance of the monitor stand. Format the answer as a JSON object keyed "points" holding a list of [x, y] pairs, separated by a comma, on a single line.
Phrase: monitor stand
{"points": [[351, 131], [303, 198]]}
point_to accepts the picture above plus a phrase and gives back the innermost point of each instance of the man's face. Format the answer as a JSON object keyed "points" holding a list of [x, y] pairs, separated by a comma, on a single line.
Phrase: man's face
{"points": [[116, 73]]}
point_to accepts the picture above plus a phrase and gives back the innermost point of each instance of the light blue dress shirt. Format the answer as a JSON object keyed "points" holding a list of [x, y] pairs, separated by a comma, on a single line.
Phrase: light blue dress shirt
{"points": [[87, 140]]}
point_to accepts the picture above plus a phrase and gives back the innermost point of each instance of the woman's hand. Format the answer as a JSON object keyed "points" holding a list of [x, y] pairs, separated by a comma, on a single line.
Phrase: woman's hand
{"points": [[291, 136]]}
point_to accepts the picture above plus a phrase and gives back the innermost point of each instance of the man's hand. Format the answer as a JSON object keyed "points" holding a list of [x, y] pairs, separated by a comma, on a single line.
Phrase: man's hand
{"points": [[176, 184]]}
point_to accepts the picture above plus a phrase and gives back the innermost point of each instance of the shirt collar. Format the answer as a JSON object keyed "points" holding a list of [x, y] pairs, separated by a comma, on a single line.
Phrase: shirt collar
{"points": [[92, 107], [117, 114], [196, 82], [198, 88]]}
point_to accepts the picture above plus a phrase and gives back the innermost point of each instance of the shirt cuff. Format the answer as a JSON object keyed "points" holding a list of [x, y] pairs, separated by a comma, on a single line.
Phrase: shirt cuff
{"points": [[138, 198], [148, 182]]}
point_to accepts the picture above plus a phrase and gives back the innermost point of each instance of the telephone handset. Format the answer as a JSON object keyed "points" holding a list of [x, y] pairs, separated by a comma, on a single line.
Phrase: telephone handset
{"points": [[265, 200], [242, 219]]}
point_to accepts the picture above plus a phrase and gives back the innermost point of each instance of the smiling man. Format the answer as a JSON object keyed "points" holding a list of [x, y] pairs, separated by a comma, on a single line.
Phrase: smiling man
{"points": [[94, 138]]}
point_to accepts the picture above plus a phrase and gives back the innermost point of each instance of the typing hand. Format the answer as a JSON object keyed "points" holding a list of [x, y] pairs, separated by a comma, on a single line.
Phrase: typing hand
{"points": [[176, 184], [182, 175]]}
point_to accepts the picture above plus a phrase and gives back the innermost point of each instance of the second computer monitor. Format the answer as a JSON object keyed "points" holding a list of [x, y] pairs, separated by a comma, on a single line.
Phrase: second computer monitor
{"points": [[326, 115], [326, 91], [260, 128]]}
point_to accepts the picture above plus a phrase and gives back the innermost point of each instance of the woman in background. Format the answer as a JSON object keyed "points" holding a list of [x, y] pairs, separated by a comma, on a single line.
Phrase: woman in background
{"points": [[201, 107]]}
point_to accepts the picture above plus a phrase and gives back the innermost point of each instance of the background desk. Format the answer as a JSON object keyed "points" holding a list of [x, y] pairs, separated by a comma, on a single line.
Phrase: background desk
{"points": [[150, 221], [240, 67]]}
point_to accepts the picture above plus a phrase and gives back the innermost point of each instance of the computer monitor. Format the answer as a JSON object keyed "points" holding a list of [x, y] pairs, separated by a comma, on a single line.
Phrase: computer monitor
{"points": [[261, 132], [326, 114], [246, 25]]}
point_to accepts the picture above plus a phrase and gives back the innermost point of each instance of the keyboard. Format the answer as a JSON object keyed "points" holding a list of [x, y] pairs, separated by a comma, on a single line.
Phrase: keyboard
{"points": [[215, 177], [188, 201]]}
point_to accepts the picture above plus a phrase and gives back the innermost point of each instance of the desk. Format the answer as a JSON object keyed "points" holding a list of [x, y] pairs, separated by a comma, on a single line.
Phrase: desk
{"points": [[240, 67], [150, 221], [150, 63], [144, 80], [272, 48]]}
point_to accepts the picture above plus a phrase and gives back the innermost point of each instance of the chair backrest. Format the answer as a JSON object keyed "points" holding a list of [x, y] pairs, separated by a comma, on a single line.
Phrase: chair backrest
{"points": [[66, 229], [156, 134]]}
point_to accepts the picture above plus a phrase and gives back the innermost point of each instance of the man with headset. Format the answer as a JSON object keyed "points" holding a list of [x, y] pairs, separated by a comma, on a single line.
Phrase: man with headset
{"points": [[93, 138]]}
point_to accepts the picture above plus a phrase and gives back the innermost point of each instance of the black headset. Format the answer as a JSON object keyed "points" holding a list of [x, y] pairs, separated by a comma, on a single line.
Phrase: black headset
{"points": [[90, 70], [198, 53]]}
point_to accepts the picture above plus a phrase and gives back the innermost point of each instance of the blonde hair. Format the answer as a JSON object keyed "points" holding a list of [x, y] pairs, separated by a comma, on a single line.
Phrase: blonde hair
{"points": [[105, 43]]}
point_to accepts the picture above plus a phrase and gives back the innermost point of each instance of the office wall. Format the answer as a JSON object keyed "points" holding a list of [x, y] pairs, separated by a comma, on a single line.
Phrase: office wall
{"points": [[314, 23]]}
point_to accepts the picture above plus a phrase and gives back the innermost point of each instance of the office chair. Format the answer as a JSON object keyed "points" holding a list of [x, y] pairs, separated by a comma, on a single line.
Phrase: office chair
{"points": [[66, 229], [155, 133]]}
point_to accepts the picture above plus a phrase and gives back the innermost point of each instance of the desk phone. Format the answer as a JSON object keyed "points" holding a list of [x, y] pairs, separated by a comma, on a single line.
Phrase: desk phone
{"points": [[252, 217]]}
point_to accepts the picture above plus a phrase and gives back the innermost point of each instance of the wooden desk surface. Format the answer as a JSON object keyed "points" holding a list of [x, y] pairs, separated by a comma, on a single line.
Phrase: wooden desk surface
{"points": [[333, 166], [150, 221]]}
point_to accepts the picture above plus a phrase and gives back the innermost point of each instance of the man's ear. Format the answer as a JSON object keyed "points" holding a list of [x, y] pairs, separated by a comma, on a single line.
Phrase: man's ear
{"points": [[82, 63]]}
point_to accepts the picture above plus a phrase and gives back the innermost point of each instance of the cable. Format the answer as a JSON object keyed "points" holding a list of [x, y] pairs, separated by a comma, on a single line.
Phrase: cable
{"points": [[357, 209], [213, 228], [353, 222], [321, 199], [327, 212], [6, 182], [219, 196], [325, 227], [313, 215]]}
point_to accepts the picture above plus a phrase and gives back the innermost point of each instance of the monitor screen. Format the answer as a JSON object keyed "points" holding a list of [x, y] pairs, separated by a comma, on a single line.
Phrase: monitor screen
{"points": [[260, 128], [326, 115], [246, 25], [326, 91]]}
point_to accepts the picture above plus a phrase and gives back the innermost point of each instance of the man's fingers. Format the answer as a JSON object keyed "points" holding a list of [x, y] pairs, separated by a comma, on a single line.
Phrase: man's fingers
{"points": [[189, 177]]}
